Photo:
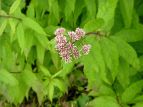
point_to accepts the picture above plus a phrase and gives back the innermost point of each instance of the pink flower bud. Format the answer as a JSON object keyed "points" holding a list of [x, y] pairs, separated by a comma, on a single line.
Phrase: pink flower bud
{"points": [[72, 35], [66, 49], [59, 31], [75, 52], [86, 49], [65, 54], [80, 33]]}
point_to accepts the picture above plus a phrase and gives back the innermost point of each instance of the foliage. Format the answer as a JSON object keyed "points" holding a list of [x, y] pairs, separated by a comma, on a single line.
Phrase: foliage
{"points": [[33, 74]]}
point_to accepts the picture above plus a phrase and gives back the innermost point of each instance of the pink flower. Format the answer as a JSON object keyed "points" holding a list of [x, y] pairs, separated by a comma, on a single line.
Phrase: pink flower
{"points": [[65, 54], [86, 49], [75, 52], [61, 41], [59, 31], [80, 33], [66, 49], [72, 36]]}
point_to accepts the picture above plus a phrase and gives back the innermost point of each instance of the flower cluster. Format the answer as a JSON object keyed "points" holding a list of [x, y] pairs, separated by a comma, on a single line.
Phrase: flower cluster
{"points": [[67, 49]]}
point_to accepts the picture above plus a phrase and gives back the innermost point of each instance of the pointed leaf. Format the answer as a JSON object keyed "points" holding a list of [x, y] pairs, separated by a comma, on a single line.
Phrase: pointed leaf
{"points": [[14, 6], [33, 25], [7, 77], [104, 101], [126, 51], [3, 26], [106, 11], [60, 84], [132, 91], [21, 36], [93, 25], [111, 56], [126, 7]]}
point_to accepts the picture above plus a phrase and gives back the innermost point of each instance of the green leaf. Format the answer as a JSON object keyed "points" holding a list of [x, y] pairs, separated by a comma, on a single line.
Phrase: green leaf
{"points": [[45, 70], [31, 10], [94, 64], [51, 90], [132, 91], [7, 78], [138, 99], [33, 25], [106, 11], [21, 36], [126, 51], [54, 8], [141, 62], [66, 69], [111, 56], [43, 40], [13, 27], [93, 25], [60, 84], [124, 74], [130, 35], [14, 6], [91, 7], [40, 53], [138, 104], [104, 101], [3, 26], [32, 81], [69, 9], [126, 7]]}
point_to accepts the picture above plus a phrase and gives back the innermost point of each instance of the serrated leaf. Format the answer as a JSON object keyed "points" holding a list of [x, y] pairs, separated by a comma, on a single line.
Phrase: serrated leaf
{"points": [[43, 40], [106, 11], [126, 7], [21, 36], [111, 56], [45, 70], [124, 74], [93, 25], [7, 78], [104, 101], [33, 25], [32, 81], [40, 53], [54, 9], [31, 10], [51, 90], [69, 9], [138, 99], [14, 6], [132, 91], [94, 64], [141, 62], [13, 27], [130, 35], [91, 7], [126, 51], [3, 26], [60, 84], [138, 104]]}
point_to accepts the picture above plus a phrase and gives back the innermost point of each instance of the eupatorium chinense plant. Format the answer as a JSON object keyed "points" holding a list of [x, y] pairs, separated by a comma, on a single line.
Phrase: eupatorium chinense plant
{"points": [[66, 45]]}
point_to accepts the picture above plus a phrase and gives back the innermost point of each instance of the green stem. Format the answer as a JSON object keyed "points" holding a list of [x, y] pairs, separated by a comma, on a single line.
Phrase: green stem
{"points": [[13, 17], [58, 73]]}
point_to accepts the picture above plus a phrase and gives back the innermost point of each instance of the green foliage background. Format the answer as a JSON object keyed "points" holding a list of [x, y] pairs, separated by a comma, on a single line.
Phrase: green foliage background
{"points": [[32, 73]]}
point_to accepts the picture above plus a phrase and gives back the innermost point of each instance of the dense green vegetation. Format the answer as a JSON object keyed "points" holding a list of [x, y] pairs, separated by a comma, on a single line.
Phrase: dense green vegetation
{"points": [[32, 73]]}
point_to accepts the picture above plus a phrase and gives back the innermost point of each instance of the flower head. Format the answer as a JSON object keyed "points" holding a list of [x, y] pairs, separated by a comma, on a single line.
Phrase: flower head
{"points": [[80, 32], [67, 49], [59, 31], [72, 36], [86, 49], [75, 52]]}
